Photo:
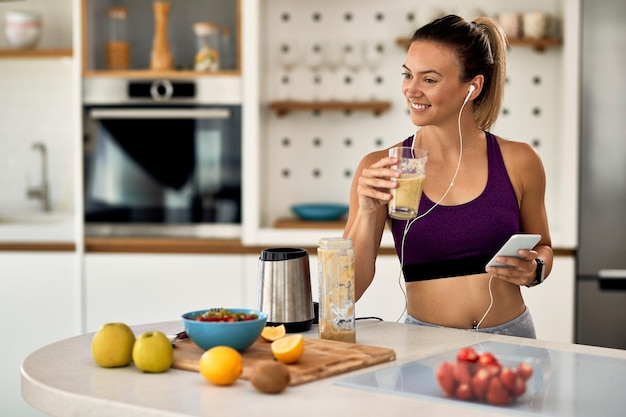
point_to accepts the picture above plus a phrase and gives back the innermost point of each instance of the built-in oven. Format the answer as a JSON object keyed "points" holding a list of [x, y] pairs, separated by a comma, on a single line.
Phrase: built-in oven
{"points": [[162, 158]]}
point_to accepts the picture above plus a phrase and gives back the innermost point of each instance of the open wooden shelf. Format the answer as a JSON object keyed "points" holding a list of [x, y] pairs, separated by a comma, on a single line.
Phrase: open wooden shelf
{"points": [[283, 107], [151, 74], [295, 223], [36, 53], [539, 45]]}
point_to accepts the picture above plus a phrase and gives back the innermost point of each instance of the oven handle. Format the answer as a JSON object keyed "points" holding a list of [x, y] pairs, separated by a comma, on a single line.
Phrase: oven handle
{"points": [[618, 274], [152, 113]]}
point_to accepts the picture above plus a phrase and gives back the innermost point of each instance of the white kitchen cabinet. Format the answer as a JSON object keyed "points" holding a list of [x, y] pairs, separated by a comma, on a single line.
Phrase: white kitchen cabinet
{"points": [[384, 297], [39, 304], [146, 288], [552, 303]]}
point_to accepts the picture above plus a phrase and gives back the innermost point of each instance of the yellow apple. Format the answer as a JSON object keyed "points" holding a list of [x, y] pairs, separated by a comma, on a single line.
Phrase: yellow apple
{"points": [[153, 352], [112, 345]]}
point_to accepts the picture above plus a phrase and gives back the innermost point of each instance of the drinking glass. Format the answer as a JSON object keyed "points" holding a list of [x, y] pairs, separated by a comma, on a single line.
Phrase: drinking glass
{"points": [[287, 56], [405, 198]]}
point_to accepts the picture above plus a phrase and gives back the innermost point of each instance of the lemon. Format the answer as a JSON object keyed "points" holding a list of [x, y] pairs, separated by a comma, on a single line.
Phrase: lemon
{"points": [[221, 365], [271, 333], [288, 349]]}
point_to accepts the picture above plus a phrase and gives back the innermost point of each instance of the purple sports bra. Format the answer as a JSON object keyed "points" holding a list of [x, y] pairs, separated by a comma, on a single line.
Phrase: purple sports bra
{"points": [[459, 240]]}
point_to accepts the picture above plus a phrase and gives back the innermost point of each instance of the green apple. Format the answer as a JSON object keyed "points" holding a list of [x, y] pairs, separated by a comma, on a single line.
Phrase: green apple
{"points": [[153, 352], [112, 345]]}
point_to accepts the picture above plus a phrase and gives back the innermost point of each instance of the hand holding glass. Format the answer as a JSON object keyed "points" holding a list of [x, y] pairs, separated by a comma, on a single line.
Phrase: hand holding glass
{"points": [[405, 198]]}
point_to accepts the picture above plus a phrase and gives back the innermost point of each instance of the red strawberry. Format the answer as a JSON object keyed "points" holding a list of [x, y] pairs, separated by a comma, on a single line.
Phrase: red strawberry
{"points": [[480, 382], [519, 386], [496, 393], [488, 359], [525, 370], [446, 379], [464, 392], [493, 370], [462, 372], [507, 377], [467, 354]]}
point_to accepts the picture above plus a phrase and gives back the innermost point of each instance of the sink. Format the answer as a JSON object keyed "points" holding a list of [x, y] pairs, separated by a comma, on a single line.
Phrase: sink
{"points": [[36, 226]]}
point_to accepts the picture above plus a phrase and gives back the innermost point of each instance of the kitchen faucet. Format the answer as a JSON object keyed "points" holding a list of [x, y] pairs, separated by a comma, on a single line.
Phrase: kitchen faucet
{"points": [[42, 192]]}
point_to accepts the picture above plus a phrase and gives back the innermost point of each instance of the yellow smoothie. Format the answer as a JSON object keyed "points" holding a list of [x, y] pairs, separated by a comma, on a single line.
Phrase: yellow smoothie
{"points": [[406, 197]]}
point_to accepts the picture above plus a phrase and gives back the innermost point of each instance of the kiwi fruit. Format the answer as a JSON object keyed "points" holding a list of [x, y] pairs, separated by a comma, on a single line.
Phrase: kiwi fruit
{"points": [[270, 376]]}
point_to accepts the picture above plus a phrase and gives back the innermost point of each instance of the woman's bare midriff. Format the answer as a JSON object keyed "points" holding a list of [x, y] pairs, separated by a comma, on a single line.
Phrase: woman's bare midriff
{"points": [[468, 297]]}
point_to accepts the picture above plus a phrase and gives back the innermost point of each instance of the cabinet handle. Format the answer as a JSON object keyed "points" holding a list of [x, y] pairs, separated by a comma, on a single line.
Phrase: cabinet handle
{"points": [[169, 113], [612, 274]]}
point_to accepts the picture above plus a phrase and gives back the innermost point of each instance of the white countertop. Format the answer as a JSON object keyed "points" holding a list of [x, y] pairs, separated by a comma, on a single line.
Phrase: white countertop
{"points": [[62, 380], [36, 227]]}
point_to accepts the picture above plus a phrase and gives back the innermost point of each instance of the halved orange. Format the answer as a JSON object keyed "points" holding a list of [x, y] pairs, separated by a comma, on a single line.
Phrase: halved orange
{"points": [[288, 349], [271, 333]]}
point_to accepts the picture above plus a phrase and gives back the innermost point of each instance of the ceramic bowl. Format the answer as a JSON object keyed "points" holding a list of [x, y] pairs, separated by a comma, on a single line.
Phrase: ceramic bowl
{"points": [[319, 212], [237, 334], [22, 28]]}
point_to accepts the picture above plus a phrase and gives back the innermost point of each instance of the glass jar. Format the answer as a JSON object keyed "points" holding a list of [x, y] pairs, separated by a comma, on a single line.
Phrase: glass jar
{"points": [[336, 289], [207, 57], [117, 46], [227, 51]]}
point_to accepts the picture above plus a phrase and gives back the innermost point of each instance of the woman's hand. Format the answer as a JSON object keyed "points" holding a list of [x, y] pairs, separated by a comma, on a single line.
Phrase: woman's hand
{"points": [[375, 182], [522, 271]]}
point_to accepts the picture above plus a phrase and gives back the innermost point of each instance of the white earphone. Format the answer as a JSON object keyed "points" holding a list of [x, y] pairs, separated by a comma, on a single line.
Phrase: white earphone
{"points": [[469, 93]]}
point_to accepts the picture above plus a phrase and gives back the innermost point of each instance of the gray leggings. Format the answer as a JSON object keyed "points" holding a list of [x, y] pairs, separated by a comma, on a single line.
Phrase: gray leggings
{"points": [[522, 326]]}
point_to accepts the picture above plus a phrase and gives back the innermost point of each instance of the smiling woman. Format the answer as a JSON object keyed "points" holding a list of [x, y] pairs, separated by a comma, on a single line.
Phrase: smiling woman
{"points": [[479, 189]]}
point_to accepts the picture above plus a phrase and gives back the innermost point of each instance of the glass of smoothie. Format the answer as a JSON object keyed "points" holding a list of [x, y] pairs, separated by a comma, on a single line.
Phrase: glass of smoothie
{"points": [[405, 199]]}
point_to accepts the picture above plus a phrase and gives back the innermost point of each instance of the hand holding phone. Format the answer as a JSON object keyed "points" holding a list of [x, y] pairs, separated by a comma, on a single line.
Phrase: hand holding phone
{"points": [[513, 245]]}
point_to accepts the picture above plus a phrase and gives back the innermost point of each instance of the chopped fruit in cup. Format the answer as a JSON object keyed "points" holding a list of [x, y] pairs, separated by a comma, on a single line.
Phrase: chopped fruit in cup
{"points": [[271, 333], [288, 349], [481, 377]]}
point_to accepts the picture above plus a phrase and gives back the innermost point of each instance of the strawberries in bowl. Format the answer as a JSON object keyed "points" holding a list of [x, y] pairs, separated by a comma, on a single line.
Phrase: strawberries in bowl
{"points": [[481, 377]]}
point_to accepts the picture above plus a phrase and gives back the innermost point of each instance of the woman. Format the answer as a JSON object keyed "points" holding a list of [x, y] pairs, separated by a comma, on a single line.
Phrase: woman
{"points": [[479, 189]]}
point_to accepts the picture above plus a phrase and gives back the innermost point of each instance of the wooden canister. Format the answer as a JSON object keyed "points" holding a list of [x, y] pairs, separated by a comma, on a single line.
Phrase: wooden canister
{"points": [[161, 57]]}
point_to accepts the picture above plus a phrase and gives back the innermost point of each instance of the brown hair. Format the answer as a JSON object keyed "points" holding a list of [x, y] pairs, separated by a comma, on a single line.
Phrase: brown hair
{"points": [[480, 47]]}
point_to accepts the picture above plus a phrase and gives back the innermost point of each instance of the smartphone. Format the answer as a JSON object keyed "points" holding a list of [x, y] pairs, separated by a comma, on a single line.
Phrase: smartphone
{"points": [[513, 245]]}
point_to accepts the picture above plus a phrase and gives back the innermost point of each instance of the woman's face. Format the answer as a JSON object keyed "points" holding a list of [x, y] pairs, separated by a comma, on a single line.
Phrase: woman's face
{"points": [[431, 84]]}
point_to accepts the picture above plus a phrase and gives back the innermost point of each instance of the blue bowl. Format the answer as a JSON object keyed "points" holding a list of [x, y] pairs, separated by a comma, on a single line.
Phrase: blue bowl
{"points": [[238, 334], [319, 212]]}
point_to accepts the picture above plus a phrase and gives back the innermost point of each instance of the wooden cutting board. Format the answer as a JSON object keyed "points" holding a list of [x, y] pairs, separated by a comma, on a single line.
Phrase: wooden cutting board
{"points": [[321, 358]]}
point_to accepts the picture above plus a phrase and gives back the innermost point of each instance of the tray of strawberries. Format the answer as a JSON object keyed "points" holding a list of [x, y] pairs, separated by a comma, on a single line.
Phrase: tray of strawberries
{"points": [[481, 376], [488, 374]]}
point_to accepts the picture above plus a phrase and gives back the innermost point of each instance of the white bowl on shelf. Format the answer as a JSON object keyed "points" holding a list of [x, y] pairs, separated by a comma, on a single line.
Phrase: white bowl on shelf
{"points": [[22, 28]]}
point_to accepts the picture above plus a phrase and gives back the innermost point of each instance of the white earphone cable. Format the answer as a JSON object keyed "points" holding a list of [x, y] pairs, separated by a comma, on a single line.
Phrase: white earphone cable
{"points": [[408, 224]]}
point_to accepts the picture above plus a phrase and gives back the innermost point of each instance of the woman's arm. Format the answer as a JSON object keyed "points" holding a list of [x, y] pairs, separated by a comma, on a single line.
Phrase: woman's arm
{"points": [[527, 174], [368, 212]]}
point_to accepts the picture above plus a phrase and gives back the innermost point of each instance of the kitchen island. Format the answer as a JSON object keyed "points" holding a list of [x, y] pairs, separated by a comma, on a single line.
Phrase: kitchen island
{"points": [[61, 379]]}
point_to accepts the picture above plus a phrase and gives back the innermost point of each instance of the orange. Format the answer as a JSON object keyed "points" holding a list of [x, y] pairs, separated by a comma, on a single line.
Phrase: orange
{"points": [[221, 365], [271, 333], [288, 349]]}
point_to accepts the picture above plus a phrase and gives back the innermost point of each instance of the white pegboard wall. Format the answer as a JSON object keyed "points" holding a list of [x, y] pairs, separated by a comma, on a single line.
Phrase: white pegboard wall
{"points": [[311, 157]]}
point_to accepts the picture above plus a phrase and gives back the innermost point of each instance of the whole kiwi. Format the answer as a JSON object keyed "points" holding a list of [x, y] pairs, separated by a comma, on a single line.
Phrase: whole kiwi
{"points": [[270, 376]]}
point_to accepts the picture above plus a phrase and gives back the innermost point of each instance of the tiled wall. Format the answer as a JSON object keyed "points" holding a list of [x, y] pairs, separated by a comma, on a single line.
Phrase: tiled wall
{"points": [[36, 105], [311, 157]]}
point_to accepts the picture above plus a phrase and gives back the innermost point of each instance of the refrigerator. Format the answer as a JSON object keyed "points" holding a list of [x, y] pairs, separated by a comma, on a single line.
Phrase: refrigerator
{"points": [[601, 255]]}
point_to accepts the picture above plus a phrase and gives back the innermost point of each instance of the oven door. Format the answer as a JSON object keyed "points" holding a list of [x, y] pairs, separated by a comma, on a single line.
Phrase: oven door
{"points": [[163, 171]]}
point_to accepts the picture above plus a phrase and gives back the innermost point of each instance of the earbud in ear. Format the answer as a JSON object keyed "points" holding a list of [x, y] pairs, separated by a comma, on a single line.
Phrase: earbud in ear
{"points": [[469, 93]]}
